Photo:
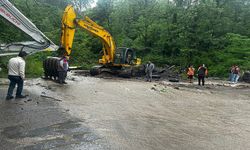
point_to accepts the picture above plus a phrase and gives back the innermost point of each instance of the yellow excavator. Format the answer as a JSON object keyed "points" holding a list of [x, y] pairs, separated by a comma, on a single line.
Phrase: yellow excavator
{"points": [[114, 60]]}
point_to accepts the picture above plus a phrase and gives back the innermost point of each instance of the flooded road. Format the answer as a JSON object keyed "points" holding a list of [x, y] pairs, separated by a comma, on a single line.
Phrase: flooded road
{"points": [[94, 113], [38, 123]]}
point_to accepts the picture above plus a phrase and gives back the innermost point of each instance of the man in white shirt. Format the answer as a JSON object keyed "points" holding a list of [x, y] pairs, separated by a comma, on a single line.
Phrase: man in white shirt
{"points": [[16, 75]]}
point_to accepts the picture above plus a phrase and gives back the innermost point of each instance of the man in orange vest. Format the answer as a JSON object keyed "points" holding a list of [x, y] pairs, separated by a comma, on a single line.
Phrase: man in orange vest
{"points": [[190, 73]]}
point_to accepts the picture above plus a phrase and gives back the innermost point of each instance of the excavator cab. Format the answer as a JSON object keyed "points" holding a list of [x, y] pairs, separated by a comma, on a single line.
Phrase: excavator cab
{"points": [[125, 57]]}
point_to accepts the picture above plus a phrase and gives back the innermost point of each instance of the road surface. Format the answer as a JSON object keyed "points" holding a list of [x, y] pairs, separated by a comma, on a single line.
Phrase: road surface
{"points": [[96, 113]]}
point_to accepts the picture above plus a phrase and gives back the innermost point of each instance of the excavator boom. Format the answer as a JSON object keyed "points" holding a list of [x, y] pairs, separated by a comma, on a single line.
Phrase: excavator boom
{"points": [[114, 60], [14, 16], [69, 23]]}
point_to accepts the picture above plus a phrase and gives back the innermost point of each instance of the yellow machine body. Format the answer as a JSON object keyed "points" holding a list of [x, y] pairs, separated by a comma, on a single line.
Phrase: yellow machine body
{"points": [[69, 24]]}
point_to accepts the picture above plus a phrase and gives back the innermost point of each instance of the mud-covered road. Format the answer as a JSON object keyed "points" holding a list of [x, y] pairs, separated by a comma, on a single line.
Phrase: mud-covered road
{"points": [[95, 113]]}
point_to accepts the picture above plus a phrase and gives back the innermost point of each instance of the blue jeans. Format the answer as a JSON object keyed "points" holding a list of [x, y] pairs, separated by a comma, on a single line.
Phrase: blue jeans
{"points": [[62, 76], [231, 76], [13, 81], [236, 78]]}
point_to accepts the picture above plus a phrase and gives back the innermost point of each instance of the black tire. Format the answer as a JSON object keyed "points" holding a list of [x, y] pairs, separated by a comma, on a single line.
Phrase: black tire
{"points": [[54, 71], [50, 67], [45, 70]]}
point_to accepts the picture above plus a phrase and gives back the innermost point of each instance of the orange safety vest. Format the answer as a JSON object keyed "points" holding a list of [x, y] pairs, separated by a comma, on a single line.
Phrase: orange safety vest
{"points": [[190, 71]]}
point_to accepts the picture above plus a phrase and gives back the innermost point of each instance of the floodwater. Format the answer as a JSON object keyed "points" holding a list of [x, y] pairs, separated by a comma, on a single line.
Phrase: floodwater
{"points": [[94, 113], [38, 123]]}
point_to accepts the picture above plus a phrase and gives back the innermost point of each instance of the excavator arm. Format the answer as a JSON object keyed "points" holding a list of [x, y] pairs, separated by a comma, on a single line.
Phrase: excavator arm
{"points": [[14, 16], [70, 22]]}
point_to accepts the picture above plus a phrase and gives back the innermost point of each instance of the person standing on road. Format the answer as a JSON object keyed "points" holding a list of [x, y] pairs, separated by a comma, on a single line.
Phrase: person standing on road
{"points": [[16, 75], [231, 73], [190, 73], [62, 69], [149, 70], [236, 74], [202, 73]]}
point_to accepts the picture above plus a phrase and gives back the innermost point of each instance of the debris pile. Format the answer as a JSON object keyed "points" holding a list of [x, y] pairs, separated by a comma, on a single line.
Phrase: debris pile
{"points": [[246, 77], [170, 73]]}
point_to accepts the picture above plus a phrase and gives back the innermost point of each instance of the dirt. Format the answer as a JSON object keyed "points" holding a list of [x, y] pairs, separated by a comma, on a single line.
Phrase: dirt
{"points": [[134, 114]]}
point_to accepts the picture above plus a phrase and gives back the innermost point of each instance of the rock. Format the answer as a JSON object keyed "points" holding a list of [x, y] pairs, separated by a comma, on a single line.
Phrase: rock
{"points": [[4, 81], [246, 77], [153, 88], [176, 87], [163, 90]]}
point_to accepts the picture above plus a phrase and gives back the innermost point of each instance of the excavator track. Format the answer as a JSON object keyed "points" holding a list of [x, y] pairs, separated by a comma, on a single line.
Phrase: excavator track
{"points": [[125, 72]]}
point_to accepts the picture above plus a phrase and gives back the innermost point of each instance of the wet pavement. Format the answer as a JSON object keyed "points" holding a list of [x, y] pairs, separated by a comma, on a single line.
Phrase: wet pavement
{"points": [[37, 123], [99, 114]]}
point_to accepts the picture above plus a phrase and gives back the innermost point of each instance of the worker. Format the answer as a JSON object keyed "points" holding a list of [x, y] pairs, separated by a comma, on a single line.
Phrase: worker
{"points": [[16, 75], [128, 59], [62, 69], [236, 74], [190, 73], [202, 73], [149, 70], [231, 73]]}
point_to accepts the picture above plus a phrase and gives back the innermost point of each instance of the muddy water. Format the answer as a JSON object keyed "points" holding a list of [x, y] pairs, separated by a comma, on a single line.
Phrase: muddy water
{"points": [[139, 115], [38, 123], [92, 113]]}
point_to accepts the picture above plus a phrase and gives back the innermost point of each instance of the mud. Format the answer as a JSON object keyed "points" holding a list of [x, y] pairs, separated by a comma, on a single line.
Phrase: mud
{"points": [[97, 113], [38, 123]]}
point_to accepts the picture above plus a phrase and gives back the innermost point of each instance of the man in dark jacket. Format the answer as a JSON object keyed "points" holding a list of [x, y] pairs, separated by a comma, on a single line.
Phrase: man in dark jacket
{"points": [[149, 70], [202, 73]]}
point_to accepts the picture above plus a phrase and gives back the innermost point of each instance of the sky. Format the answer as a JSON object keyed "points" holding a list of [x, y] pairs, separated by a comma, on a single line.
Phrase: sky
{"points": [[93, 4]]}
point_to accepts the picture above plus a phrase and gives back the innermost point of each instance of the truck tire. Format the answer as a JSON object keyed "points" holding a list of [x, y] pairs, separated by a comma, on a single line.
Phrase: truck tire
{"points": [[50, 67]]}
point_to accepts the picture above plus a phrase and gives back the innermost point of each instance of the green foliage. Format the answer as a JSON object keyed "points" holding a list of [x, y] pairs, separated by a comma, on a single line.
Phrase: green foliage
{"points": [[34, 67], [3, 65], [177, 32]]}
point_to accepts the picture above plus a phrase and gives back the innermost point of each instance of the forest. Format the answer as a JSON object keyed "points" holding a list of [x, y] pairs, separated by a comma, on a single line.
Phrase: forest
{"points": [[166, 32]]}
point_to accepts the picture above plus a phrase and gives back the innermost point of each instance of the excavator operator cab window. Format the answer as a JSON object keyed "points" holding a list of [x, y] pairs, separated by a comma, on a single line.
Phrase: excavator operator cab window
{"points": [[129, 56], [124, 56], [118, 58]]}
